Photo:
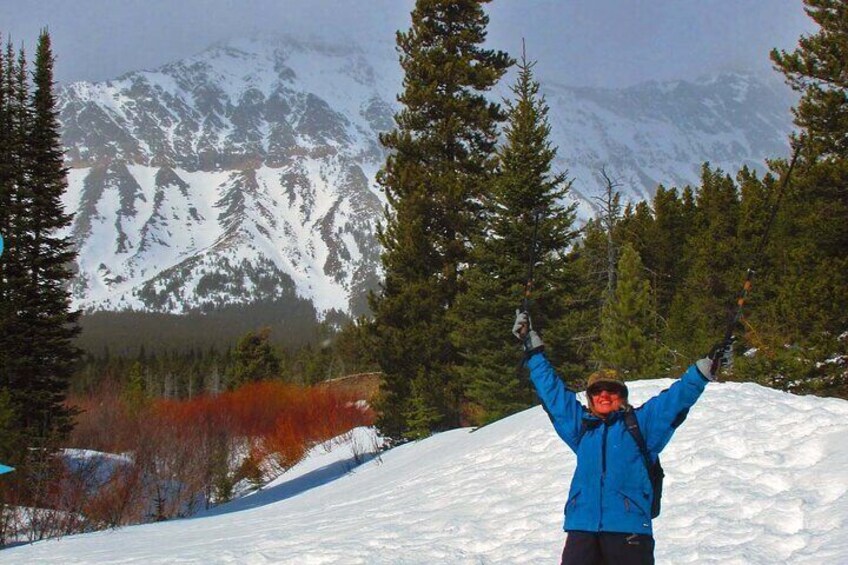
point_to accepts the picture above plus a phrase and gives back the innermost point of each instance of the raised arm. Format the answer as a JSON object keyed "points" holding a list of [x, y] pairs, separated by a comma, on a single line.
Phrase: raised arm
{"points": [[561, 404], [660, 416]]}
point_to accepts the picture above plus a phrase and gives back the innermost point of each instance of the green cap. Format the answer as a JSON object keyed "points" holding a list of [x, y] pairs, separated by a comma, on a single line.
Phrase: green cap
{"points": [[609, 377]]}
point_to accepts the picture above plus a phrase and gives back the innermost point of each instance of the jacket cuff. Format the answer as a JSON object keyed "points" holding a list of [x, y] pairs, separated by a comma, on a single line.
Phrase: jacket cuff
{"points": [[534, 351]]}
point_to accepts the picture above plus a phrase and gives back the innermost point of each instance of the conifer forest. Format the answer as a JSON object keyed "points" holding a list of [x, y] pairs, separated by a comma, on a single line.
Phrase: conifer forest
{"points": [[475, 229]]}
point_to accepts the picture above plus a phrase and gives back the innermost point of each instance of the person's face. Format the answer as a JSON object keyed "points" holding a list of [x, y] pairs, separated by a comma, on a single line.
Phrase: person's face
{"points": [[605, 400]]}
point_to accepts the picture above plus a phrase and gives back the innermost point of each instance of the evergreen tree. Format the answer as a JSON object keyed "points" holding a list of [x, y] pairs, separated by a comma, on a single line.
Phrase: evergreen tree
{"points": [[756, 201], [812, 228], [637, 228], [37, 324], [6, 192], [591, 270], [628, 334], [18, 364], [704, 301], [673, 215], [440, 163], [608, 219], [50, 255], [817, 69], [11, 212], [254, 358], [525, 187], [134, 395]]}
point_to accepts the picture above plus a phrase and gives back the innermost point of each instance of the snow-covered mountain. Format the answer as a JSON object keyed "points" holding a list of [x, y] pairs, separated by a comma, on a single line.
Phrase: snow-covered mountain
{"points": [[662, 133], [753, 477], [246, 172]]}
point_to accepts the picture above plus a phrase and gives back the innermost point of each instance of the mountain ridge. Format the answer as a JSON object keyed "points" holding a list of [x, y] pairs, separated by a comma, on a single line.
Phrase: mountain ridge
{"points": [[247, 172]]}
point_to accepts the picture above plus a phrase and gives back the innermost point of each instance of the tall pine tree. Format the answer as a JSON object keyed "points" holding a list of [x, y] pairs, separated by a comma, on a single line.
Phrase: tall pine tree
{"points": [[525, 187], [628, 335], [441, 161], [38, 325], [812, 228]]}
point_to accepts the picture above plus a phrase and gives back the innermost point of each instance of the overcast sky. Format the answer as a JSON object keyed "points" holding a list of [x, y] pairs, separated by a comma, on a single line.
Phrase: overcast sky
{"points": [[584, 42]]}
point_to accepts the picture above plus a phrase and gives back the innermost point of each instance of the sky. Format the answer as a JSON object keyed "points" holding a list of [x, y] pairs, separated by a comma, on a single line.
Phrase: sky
{"points": [[754, 476], [609, 43]]}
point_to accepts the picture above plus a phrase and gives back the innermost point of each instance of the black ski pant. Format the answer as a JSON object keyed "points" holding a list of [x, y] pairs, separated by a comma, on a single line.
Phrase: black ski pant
{"points": [[608, 548]]}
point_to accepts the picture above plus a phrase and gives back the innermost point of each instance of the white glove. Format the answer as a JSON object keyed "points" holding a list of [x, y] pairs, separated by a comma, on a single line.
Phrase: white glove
{"points": [[523, 330]]}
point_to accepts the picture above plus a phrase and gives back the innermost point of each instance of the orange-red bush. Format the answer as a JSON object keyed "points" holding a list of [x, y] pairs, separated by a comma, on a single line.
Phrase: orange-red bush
{"points": [[190, 452]]}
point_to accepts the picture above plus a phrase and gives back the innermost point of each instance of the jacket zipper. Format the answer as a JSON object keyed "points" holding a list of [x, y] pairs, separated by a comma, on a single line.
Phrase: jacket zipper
{"points": [[603, 475]]}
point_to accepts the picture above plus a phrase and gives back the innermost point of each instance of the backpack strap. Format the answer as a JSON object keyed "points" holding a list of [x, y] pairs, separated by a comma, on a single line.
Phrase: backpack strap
{"points": [[585, 426], [632, 424]]}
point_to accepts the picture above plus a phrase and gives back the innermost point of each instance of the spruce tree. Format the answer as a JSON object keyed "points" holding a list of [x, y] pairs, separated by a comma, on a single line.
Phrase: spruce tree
{"points": [[5, 221], [817, 69], [666, 241], [38, 326], [704, 300], [591, 269], [628, 333], [440, 163], [524, 188], [254, 358], [808, 248], [14, 333]]}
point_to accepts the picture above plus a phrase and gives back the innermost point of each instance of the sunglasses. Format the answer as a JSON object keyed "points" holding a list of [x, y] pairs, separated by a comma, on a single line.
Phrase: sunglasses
{"points": [[608, 388]]}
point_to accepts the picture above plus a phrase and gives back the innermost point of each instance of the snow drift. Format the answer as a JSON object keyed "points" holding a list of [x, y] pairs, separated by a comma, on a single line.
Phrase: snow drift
{"points": [[754, 476]]}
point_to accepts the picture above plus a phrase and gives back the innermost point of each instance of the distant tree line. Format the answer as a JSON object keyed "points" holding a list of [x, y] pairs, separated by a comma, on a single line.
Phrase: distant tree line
{"points": [[294, 324], [646, 288], [208, 367]]}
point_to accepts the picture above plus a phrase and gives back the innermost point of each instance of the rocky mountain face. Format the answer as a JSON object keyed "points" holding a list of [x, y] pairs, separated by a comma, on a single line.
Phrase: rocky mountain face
{"points": [[662, 133], [246, 173]]}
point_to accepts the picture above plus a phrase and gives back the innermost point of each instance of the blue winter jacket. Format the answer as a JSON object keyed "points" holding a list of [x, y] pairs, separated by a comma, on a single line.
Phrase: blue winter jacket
{"points": [[610, 490]]}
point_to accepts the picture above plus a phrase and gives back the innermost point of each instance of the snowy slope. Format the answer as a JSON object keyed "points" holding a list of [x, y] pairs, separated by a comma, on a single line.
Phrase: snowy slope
{"points": [[754, 476]]}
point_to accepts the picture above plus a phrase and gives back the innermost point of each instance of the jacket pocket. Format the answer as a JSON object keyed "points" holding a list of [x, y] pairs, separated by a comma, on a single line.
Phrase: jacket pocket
{"points": [[636, 503], [571, 504]]}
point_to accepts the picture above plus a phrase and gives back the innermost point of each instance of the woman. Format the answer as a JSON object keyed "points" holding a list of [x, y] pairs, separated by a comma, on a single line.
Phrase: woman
{"points": [[609, 508]]}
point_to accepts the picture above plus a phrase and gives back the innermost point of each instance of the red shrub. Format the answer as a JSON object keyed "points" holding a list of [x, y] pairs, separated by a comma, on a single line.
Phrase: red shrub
{"points": [[185, 452]]}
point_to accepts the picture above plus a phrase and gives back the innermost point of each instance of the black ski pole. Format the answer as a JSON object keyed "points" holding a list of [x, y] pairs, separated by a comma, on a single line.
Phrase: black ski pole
{"points": [[528, 286], [749, 275]]}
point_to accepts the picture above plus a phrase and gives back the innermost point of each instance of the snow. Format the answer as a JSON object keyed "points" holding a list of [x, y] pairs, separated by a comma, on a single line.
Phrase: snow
{"points": [[754, 476], [643, 135]]}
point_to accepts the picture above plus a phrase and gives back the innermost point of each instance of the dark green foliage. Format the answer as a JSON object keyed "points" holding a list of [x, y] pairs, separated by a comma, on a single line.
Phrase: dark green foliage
{"points": [[337, 353], [254, 359], [658, 233], [293, 324], [813, 223], [134, 394], [704, 300], [817, 69], [10, 433], [495, 281], [629, 325], [185, 372], [440, 165], [37, 325]]}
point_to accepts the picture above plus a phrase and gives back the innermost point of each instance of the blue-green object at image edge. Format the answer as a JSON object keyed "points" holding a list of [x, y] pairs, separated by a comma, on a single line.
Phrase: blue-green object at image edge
{"points": [[5, 469]]}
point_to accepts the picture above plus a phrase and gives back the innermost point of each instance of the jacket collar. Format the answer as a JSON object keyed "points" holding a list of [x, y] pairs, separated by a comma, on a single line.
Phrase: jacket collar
{"points": [[593, 421]]}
